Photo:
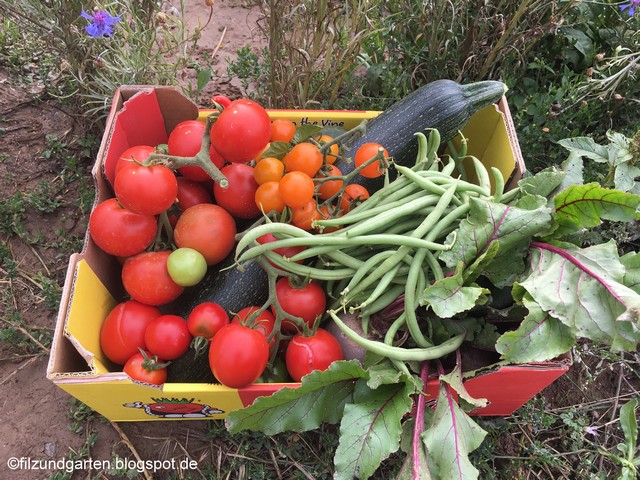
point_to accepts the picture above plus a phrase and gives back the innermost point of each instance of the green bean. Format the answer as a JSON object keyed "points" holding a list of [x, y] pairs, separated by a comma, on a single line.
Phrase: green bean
{"points": [[498, 179], [434, 145], [424, 182], [449, 167], [427, 224], [435, 267], [399, 353], [307, 271], [410, 302], [275, 228], [382, 285], [366, 267], [483, 176], [330, 251], [384, 300], [393, 329], [423, 148], [392, 215]]}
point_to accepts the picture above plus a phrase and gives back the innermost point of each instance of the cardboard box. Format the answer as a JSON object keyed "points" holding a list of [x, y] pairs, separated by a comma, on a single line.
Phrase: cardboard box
{"points": [[145, 115]]}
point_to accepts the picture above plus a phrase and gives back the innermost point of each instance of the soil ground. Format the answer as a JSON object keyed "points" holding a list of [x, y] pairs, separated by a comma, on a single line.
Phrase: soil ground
{"points": [[35, 414]]}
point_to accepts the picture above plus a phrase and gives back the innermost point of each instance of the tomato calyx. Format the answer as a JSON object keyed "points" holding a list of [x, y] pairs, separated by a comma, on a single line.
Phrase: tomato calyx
{"points": [[151, 363], [200, 159], [200, 345]]}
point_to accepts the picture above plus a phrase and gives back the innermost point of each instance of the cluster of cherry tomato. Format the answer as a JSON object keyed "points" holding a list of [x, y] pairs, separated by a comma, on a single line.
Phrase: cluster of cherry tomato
{"points": [[150, 192]]}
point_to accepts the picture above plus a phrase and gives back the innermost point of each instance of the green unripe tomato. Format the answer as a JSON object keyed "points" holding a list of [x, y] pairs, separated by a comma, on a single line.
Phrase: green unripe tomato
{"points": [[186, 266]]}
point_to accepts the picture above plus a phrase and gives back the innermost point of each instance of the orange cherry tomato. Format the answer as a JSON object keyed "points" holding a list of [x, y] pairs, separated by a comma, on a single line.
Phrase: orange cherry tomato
{"points": [[303, 215], [282, 130], [352, 195], [296, 189], [332, 154], [268, 169], [268, 198], [366, 152], [304, 157], [329, 188]]}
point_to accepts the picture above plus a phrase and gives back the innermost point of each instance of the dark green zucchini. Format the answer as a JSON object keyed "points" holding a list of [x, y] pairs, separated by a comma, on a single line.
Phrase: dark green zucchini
{"points": [[442, 104]]}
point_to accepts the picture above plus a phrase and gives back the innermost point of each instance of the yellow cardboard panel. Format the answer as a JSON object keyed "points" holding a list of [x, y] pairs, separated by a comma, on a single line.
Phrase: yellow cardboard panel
{"points": [[324, 118], [125, 401], [89, 305]]}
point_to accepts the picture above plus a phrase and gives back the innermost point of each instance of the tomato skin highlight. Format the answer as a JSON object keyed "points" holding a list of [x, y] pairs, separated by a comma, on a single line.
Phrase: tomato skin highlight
{"points": [[207, 228], [120, 232], [167, 336], [122, 331], [316, 352], [238, 355], [241, 131], [146, 278]]}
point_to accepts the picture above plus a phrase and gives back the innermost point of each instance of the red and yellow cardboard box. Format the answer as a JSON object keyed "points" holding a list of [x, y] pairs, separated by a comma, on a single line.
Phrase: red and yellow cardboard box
{"points": [[144, 116]]}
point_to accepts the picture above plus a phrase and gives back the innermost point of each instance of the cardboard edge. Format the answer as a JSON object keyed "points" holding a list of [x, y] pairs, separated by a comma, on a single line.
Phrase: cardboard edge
{"points": [[520, 168]]}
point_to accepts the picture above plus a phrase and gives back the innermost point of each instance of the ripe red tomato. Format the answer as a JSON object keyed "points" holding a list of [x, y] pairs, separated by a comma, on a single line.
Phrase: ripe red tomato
{"points": [[122, 332], [367, 152], [167, 336], [241, 131], [120, 232], [206, 319], [148, 370], [223, 100], [207, 228], [316, 352], [185, 140], [238, 355], [238, 198], [191, 193], [148, 190], [135, 154], [263, 323], [145, 277], [307, 302]]}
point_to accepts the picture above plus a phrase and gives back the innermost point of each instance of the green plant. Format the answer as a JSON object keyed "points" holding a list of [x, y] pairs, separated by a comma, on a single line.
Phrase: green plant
{"points": [[627, 456], [147, 46]]}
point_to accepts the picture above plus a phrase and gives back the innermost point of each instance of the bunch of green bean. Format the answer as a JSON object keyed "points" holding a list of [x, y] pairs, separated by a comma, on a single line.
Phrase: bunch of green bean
{"points": [[387, 246]]}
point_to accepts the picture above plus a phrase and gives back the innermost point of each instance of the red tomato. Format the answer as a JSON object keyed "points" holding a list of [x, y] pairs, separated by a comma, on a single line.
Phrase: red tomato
{"points": [[286, 252], [307, 302], [206, 319], [207, 228], [241, 131], [238, 355], [147, 370], [191, 193], [145, 277], [132, 155], [185, 140], [317, 352], [263, 323], [120, 232], [122, 332], [167, 336], [146, 190], [238, 198], [223, 100]]}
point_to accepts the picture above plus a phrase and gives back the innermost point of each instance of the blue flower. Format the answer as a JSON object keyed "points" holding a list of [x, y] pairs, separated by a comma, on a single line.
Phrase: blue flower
{"points": [[630, 7], [101, 23]]}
